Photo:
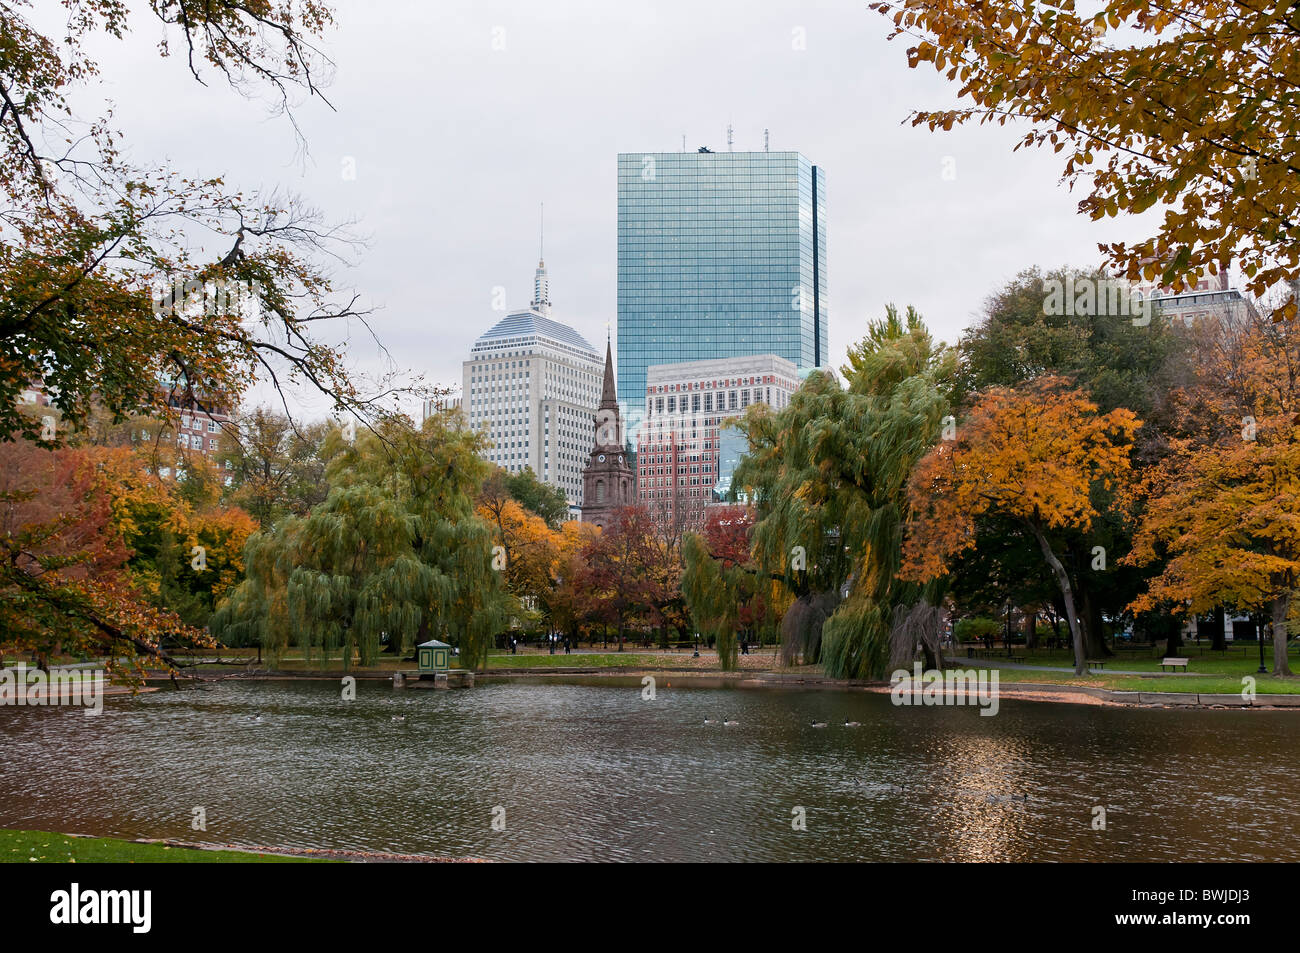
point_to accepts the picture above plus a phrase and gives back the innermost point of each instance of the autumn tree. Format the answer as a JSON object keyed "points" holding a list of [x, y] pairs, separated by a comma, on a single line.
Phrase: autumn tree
{"points": [[1223, 509], [276, 466], [1031, 454], [185, 548], [1118, 358], [64, 581], [529, 552], [127, 290], [135, 287], [623, 572], [571, 604], [1183, 103]]}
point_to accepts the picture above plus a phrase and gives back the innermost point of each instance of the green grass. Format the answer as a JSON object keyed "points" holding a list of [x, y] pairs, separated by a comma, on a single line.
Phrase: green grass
{"points": [[1208, 672], [1209, 684], [47, 848], [586, 660]]}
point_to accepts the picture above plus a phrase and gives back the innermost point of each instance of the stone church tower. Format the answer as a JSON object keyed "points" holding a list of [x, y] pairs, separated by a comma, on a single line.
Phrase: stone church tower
{"points": [[608, 481]]}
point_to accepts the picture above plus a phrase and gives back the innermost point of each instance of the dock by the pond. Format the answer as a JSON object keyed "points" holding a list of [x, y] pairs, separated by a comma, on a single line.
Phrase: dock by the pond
{"points": [[455, 678]]}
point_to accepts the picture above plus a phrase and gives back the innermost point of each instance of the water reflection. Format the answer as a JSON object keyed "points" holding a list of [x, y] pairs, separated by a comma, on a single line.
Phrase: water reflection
{"points": [[591, 771]]}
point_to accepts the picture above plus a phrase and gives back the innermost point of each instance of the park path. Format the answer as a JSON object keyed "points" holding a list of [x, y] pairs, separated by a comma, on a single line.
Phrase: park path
{"points": [[1025, 667]]}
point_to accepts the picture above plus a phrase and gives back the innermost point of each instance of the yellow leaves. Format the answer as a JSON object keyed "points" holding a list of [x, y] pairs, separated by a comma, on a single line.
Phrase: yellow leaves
{"points": [[1182, 91]]}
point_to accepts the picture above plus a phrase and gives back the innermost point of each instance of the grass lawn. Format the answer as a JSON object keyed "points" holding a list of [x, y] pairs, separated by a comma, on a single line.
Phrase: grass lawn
{"points": [[1208, 672], [1213, 684], [46, 848], [585, 660]]}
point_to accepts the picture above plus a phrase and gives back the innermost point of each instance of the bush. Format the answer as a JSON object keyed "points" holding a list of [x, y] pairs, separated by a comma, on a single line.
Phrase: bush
{"points": [[976, 628]]}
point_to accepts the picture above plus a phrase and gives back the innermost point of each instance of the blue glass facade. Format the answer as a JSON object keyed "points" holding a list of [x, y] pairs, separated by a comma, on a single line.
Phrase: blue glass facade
{"points": [[720, 254]]}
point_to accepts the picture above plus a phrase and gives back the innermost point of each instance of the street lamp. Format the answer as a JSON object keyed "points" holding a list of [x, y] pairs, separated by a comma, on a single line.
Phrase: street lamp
{"points": [[1259, 635]]}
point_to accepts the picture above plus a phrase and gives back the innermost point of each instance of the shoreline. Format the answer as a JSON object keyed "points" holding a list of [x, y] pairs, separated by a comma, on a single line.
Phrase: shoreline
{"points": [[1043, 692]]}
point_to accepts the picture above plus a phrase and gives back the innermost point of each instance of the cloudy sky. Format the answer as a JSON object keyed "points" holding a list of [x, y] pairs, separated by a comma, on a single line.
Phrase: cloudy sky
{"points": [[461, 117]]}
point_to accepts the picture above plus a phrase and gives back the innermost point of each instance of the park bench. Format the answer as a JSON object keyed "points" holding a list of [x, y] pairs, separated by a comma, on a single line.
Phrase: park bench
{"points": [[1016, 658], [1173, 664], [1096, 663]]}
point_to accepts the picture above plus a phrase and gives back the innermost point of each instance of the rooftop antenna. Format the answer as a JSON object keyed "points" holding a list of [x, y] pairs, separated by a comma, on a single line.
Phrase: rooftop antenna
{"points": [[683, 142], [541, 232], [764, 140], [730, 137]]}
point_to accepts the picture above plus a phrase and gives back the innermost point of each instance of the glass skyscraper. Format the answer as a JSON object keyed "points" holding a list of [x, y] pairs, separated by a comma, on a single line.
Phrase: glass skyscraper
{"points": [[720, 254]]}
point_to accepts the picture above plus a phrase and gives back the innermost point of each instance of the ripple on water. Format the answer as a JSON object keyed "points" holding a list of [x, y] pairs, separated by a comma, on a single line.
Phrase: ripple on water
{"points": [[591, 771]]}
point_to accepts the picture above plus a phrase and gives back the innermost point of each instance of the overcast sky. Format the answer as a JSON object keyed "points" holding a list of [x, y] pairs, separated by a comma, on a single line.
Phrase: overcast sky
{"points": [[455, 143]]}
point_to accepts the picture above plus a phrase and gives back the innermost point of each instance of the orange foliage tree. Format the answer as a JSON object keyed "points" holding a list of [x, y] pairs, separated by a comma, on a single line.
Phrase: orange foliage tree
{"points": [[1224, 508], [64, 585], [1033, 455]]}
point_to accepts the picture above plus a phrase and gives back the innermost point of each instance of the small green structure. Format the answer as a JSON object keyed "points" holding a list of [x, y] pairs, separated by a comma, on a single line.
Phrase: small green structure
{"points": [[433, 656]]}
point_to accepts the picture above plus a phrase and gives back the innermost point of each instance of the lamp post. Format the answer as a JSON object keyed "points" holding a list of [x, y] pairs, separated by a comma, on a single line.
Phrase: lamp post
{"points": [[1259, 636]]}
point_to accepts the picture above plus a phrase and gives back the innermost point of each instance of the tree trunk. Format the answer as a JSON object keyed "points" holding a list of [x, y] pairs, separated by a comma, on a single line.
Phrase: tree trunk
{"points": [[1174, 639], [1031, 628], [933, 662], [1216, 628], [1067, 593], [1281, 604], [1094, 634]]}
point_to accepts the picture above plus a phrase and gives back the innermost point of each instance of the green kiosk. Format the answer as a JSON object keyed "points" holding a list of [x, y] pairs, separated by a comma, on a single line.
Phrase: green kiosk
{"points": [[433, 656]]}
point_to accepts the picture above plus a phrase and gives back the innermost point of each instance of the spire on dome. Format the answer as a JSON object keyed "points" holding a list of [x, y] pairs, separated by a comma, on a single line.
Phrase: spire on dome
{"points": [[541, 302]]}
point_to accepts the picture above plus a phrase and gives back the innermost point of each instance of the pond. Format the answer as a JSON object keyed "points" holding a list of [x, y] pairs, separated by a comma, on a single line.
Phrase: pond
{"points": [[588, 770]]}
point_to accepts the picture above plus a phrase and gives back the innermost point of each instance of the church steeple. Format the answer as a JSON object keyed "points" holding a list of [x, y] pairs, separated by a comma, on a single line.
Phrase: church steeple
{"points": [[608, 393], [608, 480]]}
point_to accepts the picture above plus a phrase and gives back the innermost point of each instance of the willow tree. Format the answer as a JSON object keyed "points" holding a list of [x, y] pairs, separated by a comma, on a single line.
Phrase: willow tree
{"points": [[830, 475], [395, 554], [724, 589]]}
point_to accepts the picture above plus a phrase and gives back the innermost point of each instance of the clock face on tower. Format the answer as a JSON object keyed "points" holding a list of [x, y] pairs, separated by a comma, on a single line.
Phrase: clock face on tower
{"points": [[600, 459], [620, 459]]}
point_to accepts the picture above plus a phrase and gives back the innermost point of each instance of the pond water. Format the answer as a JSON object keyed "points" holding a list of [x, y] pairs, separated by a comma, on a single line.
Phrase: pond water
{"points": [[588, 770]]}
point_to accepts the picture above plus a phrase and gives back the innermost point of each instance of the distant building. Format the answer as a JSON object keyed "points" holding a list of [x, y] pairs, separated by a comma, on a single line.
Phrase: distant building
{"points": [[1209, 297], [532, 384], [197, 420], [34, 394], [436, 405], [720, 255], [680, 443], [609, 481], [732, 447]]}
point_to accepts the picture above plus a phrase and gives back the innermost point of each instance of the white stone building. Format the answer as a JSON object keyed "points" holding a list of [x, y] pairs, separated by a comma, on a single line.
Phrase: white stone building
{"points": [[532, 384]]}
